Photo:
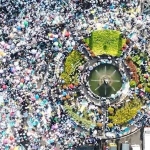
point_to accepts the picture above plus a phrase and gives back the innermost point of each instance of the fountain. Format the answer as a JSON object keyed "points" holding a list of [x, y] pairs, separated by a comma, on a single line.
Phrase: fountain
{"points": [[105, 80]]}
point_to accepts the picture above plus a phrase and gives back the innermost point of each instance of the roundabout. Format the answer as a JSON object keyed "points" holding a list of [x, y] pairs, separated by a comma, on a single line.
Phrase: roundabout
{"points": [[105, 86]]}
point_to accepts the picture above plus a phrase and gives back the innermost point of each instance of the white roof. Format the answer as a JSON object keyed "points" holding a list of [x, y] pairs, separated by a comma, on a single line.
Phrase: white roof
{"points": [[146, 138], [135, 147]]}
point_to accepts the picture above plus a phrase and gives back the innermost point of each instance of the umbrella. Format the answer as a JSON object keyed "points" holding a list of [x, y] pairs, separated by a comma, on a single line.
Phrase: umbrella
{"points": [[73, 43], [12, 46], [91, 68], [55, 126], [134, 37], [12, 70], [16, 63], [37, 97], [71, 86], [1, 100], [113, 96], [81, 67], [139, 23], [18, 28], [85, 25], [4, 86], [50, 35], [22, 80], [5, 141], [148, 112], [55, 39], [1, 71], [33, 98], [25, 23], [70, 48], [21, 84], [55, 43], [27, 78], [67, 34], [33, 51], [2, 53], [50, 141], [64, 93]]}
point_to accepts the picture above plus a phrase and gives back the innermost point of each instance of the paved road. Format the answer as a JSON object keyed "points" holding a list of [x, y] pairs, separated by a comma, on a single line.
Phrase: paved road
{"points": [[136, 138]]}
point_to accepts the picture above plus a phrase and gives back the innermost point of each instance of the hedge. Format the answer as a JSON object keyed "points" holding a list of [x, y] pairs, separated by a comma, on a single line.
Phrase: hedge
{"points": [[108, 42]]}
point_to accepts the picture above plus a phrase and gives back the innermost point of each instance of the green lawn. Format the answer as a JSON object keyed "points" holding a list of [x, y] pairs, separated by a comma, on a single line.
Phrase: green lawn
{"points": [[108, 42]]}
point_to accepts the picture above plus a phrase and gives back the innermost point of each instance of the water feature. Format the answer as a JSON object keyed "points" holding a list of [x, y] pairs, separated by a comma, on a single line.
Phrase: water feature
{"points": [[105, 80]]}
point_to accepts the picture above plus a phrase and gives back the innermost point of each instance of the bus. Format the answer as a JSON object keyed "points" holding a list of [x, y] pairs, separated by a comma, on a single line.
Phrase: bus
{"points": [[146, 138]]}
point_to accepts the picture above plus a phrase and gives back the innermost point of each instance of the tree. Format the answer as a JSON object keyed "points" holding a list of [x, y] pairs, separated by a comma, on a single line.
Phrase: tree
{"points": [[127, 41], [132, 83], [110, 125], [99, 124], [128, 58], [147, 89], [140, 86], [111, 110]]}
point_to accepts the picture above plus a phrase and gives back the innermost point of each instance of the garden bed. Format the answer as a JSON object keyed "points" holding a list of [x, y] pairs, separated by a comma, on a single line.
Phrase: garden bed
{"points": [[142, 62], [126, 113], [87, 123], [133, 69], [105, 42], [73, 61]]}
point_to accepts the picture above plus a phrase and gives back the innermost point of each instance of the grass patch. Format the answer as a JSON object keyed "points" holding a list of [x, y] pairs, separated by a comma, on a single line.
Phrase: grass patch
{"points": [[106, 42]]}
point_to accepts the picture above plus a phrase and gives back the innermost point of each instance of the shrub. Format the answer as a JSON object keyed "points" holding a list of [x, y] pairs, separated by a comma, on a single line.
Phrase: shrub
{"points": [[99, 125], [127, 41], [110, 125], [132, 83], [108, 42], [140, 86], [147, 89], [128, 58], [111, 110]]}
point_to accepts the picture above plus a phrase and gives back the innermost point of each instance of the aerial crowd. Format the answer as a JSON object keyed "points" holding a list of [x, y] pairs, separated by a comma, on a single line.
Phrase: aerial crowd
{"points": [[32, 33]]}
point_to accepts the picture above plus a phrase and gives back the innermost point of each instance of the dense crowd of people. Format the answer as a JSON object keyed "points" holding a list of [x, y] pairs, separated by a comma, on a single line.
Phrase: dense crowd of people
{"points": [[32, 33]]}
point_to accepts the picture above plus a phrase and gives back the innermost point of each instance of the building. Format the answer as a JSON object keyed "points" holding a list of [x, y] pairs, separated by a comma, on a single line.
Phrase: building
{"points": [[125, 146], [146, 138], [135, 147]]}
